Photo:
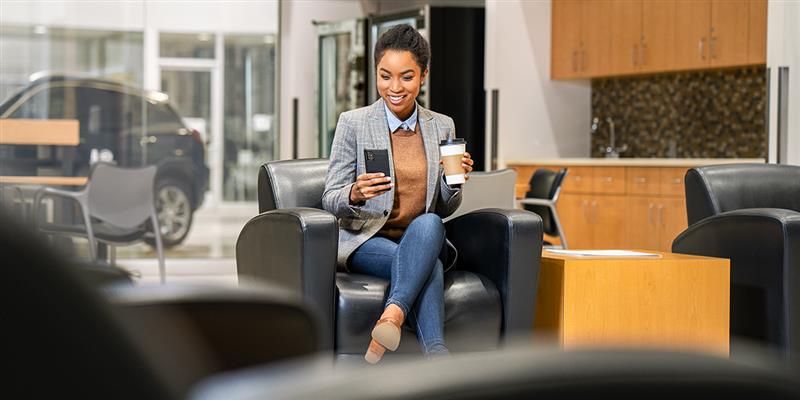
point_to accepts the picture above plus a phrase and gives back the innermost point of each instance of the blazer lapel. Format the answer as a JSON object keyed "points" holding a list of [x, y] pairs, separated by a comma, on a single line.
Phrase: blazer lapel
{"points": [[430, 136]]}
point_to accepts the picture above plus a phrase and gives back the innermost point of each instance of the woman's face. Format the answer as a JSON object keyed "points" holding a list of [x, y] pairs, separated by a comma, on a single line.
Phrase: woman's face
{"points": [[399, 79]]}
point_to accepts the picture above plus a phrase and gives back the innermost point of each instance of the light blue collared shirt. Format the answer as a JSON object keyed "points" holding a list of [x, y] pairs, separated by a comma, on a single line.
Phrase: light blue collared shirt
{"points": [[394, 122]]}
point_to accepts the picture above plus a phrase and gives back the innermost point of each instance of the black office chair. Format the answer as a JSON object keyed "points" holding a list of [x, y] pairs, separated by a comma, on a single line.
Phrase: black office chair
{"points": [[750, 214], [545, 186], [73, 331], [489, 295]]}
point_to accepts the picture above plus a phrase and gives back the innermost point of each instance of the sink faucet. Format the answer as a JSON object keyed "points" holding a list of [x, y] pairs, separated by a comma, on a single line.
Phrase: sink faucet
{"points": [[610, 151]]}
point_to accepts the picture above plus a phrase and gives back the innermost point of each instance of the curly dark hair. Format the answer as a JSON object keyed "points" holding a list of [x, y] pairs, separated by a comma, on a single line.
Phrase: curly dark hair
{"points": [[404, 38]]}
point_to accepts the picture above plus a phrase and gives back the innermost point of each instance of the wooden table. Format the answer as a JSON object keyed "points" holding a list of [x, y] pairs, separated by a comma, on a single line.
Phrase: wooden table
{"points": [[674, 302]]}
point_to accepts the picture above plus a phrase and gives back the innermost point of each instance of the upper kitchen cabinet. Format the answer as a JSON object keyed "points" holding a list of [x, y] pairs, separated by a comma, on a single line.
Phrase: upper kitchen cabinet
{"points": [[692, 22], [757, 33], [727, 36], [642, 36], [581, 38], [597, 38], [566, 39], [626, 36], [658, 35]]}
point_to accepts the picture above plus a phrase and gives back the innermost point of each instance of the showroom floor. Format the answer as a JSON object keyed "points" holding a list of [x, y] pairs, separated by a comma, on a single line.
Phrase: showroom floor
{"points": [[206, 256]]}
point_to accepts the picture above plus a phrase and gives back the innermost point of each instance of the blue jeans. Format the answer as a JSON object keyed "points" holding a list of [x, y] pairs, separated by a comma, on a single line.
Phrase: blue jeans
{"points": [[415, 273]]}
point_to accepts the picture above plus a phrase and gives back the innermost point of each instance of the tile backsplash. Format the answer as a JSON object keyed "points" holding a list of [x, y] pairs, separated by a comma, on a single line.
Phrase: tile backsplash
{"points": [[698, 114]]}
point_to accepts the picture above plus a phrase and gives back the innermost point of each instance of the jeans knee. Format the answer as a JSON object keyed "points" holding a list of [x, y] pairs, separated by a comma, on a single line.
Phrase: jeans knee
{"points": [[429, 223]]}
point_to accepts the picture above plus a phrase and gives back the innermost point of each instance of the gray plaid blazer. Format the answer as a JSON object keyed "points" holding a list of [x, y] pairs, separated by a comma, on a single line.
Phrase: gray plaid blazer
{"points": [[367, 128]]}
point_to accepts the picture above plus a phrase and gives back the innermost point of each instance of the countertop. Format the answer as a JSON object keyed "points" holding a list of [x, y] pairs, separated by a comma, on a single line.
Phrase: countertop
{"points": [[635, 162]]}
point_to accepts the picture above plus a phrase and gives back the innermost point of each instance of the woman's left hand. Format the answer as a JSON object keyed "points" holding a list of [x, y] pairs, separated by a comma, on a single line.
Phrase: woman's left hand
{"points": [[466, 163]]}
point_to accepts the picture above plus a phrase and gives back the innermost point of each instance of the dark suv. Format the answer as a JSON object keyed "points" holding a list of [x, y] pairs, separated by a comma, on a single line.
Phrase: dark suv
{"points": [[127, 124]]}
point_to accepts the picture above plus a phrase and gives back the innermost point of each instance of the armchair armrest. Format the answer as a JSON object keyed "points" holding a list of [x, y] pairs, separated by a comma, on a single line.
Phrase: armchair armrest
{"points": [[506, 247], [763, 245], [294, 248]]}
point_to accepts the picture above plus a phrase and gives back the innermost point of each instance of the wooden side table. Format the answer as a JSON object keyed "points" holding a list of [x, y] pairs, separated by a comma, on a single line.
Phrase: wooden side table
{"points": [[674, 302]]}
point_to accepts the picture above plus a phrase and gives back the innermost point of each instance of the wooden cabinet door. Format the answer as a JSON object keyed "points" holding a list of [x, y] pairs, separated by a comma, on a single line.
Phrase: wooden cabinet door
{"points": [[607, 216], [608, 180], [595, 37], [658, 36], [692, 23], [626, 32], [672, 219], [573, 209], [566, 39], [671, 181], [728, 44], [757, 32], [642, 223]]}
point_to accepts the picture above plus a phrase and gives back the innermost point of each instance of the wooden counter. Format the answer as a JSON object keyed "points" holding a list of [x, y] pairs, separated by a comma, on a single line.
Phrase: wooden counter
{"points": [[619, 203]]}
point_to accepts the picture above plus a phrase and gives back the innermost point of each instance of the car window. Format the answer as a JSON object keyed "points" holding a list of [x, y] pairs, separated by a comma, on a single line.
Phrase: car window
{"points": [[161, 119], [48, 103], [99, 110]]}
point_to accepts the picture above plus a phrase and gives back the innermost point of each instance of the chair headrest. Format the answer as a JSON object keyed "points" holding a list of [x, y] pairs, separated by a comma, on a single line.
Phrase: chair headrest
{"points": [[715, 189], [291, 183]]}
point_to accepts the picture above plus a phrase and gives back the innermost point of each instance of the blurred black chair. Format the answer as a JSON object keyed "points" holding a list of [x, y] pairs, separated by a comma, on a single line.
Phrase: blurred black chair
{"points": [[545, 186], [519, 373], [489, 295], [117, 204], [750, 214], [70, 333]]}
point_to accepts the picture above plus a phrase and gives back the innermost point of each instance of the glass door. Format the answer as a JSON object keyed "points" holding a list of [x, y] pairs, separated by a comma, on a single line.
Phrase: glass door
{"points": [[342, 73], [382, 23]]}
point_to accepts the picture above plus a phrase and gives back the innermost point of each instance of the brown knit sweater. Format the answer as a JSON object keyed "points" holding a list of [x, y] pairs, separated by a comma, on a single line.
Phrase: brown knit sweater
{"points": [[410, 181]]}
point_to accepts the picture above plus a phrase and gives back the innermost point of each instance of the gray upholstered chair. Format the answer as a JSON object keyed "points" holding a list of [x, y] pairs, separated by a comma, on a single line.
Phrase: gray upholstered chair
{"points": [[116, 205], [489, 294], [750, 214]]}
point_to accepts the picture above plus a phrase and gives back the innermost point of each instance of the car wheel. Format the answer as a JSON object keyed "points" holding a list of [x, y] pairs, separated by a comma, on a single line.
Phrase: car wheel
{"points": [[174, 210]]}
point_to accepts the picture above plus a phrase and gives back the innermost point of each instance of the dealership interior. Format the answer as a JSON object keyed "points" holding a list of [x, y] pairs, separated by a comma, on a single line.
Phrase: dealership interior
{"points": [[170, 178]]}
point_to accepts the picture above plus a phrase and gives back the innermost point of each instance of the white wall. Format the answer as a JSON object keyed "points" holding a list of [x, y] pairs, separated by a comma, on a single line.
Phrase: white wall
{"points": [[538, 117], [169, 15], [299, 66], [783, 49]]}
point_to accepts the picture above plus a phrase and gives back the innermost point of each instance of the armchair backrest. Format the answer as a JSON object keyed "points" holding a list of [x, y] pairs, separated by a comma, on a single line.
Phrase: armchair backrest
{"points": [[545, 184], [291, 183], [719, 188]]}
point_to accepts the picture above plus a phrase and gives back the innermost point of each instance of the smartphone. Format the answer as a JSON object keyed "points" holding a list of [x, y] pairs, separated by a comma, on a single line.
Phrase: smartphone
{"points": [[377, 161]]}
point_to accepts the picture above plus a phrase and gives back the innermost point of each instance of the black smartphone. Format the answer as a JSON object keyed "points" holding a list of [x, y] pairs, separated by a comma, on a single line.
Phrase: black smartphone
{"points": [[377, 161]]}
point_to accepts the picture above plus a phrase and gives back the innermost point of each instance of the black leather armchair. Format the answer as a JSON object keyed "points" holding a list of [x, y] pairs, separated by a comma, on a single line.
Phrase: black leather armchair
{"points": [[750, 214], [489, 294]]}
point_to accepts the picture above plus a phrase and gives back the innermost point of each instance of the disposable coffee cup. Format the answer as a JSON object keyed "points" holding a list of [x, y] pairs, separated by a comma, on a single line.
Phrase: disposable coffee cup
{"points": [[452, 150]]}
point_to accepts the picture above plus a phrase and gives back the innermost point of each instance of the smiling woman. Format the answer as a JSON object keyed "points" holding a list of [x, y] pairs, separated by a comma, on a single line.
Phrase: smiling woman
{"points": [[391, 226]]}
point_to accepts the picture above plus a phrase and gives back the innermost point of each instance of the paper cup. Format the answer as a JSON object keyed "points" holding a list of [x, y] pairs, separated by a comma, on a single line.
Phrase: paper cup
{"points": [[451, 152]]}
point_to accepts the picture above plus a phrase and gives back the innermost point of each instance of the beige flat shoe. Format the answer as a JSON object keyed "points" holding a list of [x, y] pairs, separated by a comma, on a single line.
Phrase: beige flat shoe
{"points": [[374, 352]]}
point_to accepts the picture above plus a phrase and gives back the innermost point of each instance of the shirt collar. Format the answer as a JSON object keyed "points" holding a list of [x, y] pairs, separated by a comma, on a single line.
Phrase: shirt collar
{"points": [[395, 122]]}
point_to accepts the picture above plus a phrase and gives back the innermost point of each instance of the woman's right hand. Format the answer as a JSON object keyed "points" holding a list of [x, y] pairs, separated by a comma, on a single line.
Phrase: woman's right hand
{"points": [[368, 186]]}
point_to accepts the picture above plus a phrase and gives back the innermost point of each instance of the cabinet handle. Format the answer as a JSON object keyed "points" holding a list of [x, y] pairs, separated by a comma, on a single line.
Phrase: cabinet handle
{"points": [[586, 216], [640, 179], [634, 55], [702, 47], [676, 181], [594, 211], [661, 214], [643, 60], [712, 45], [583, 58], [650, 214], [575, 61], [608, 179], [576, 178]]}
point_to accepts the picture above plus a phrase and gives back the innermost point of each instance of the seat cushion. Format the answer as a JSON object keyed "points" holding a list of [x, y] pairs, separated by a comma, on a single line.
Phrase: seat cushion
{"points": [[473, 312], [102, 231]]}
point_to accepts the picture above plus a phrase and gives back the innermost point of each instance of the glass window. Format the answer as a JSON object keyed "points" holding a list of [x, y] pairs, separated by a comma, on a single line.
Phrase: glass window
{"points": [[161, 119], [187, 45], [249, 128], [48, 102]]}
